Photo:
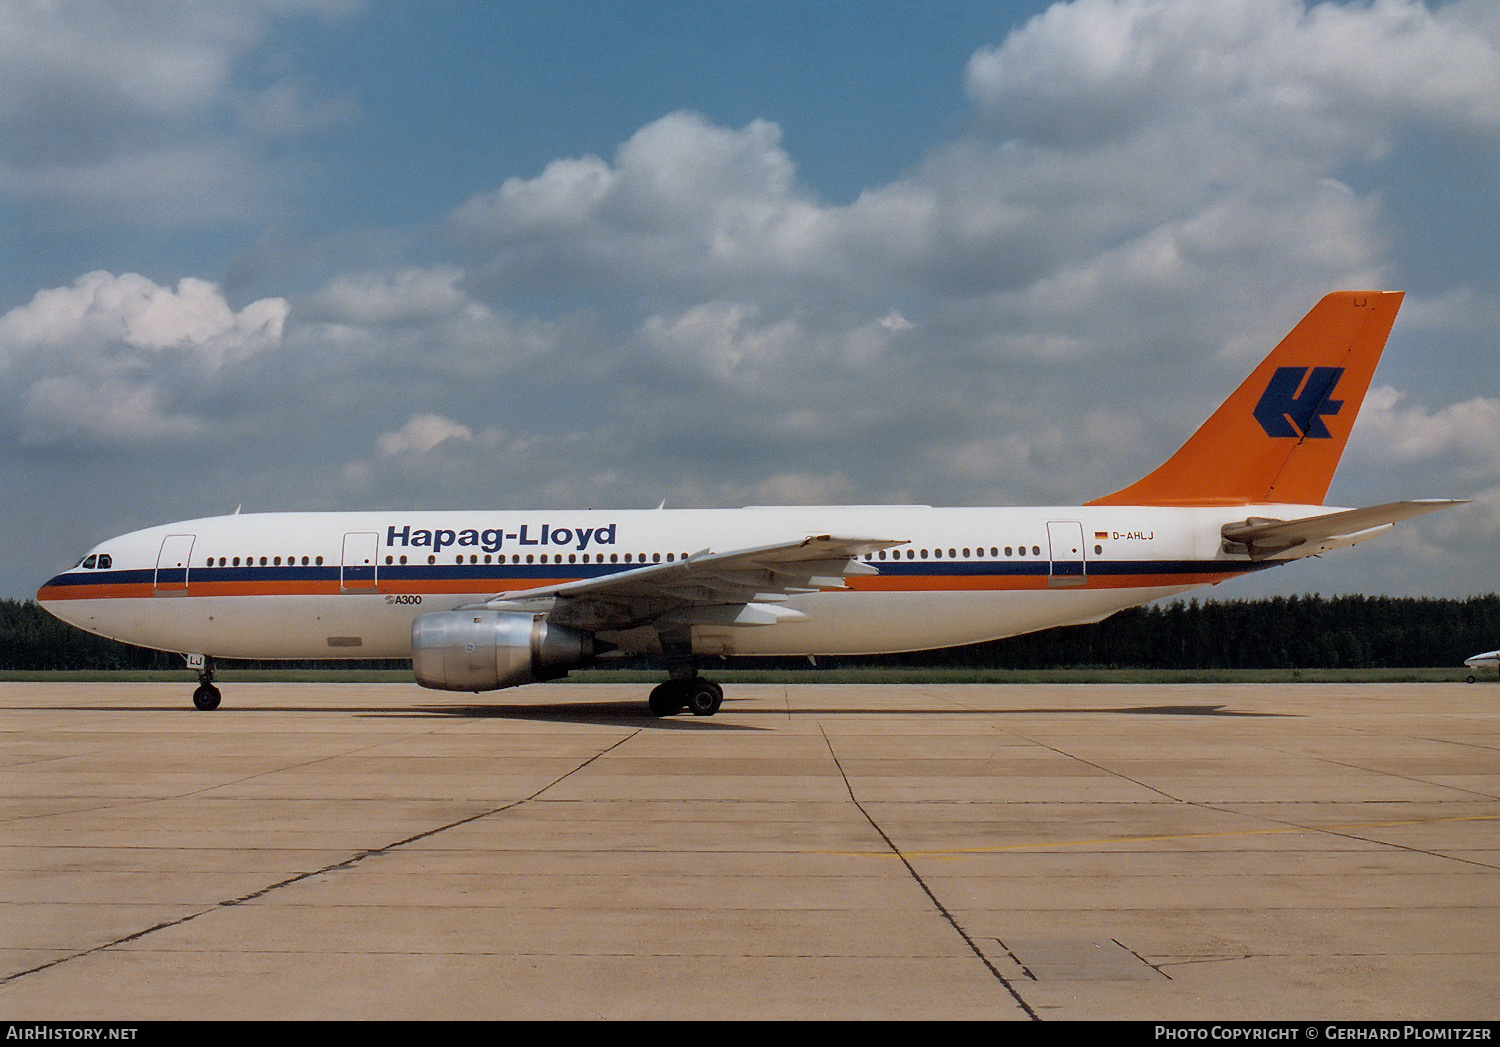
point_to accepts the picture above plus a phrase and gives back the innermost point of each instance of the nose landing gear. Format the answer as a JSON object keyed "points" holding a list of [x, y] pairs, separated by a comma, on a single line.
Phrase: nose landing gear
{"points": [[206, 697]]}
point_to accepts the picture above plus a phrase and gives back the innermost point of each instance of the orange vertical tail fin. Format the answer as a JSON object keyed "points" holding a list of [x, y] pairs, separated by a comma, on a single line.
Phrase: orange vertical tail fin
{"points": [[1279, 437]]}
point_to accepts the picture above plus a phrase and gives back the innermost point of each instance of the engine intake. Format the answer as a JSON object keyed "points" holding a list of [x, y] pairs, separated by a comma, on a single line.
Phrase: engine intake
{"points": [[482, 650]]}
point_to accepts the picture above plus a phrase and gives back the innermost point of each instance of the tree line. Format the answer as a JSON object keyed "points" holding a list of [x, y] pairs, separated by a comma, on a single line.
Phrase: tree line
{"points": [[1282, 632]]}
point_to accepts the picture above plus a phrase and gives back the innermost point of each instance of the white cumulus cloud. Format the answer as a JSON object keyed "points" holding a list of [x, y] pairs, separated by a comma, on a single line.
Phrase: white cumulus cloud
{"points": [[410, 294], [421, 434], [108, 357], [1098, 68]]}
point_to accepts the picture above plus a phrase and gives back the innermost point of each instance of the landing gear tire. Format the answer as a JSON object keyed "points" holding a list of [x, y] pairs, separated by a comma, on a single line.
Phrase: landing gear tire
{"points": [[704, 697], [666, 699], [207, 695], [698, 696]]}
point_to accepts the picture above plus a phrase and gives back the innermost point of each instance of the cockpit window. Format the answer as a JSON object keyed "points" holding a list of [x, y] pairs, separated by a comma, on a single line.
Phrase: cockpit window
{"points": [[89, 562], [104, 561]]}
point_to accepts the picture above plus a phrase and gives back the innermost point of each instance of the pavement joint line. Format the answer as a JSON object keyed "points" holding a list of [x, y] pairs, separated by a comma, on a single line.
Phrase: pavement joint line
{"points": [[932, 897], [346, 863]]}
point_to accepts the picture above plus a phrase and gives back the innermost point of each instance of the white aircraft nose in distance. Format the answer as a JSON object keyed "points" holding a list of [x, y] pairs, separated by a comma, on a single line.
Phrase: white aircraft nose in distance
{"points": [[501, 597], [1487, 660]]}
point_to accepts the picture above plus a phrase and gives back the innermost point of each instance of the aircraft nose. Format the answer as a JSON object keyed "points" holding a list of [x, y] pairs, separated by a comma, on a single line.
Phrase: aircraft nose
{"points": [[53, 595]]}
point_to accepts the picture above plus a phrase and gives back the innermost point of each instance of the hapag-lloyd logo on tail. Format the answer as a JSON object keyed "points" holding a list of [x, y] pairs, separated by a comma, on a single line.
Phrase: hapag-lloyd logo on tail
{"points": [[1296, 400]]}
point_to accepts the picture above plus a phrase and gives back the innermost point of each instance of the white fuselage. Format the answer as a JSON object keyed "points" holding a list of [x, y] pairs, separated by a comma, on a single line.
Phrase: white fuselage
{"points": [[349, 585]]}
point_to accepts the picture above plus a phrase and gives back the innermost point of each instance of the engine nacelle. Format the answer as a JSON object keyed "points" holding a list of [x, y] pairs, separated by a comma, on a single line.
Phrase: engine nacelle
{"points": [[482, 650]]}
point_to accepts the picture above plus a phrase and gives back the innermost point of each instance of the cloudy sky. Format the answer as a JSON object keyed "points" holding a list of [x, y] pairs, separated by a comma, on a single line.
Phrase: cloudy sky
{"points": [[327, 254]]}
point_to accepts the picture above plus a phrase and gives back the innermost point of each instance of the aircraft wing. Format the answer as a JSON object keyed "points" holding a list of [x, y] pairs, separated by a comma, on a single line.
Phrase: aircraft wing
{"points": [[745, 587], [1265, 538]]}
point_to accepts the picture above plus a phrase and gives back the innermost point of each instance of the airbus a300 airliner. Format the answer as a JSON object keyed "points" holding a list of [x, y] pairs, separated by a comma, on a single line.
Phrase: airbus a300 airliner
{"points": [[496, 598]]}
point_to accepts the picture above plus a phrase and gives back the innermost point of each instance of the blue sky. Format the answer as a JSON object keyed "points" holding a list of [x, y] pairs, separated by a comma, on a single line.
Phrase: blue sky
{"points": [[307, 254], [432, 101]]}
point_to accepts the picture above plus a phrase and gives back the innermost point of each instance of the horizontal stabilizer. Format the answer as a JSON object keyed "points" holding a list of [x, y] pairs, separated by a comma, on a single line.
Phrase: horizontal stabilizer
{"points": [[1263, 538]]}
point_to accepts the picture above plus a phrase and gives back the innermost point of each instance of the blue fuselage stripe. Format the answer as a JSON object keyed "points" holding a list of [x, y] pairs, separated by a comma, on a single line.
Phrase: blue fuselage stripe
{"points": [[508, 574]]}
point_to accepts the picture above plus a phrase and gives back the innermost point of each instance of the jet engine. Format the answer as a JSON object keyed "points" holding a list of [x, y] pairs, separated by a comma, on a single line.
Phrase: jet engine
{"points": [[482, 650]]}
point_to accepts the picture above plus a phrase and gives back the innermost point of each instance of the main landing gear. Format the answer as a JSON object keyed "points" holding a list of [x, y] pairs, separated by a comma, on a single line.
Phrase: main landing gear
{"points": [[699, 696], [207, 695], [685, 689]]}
